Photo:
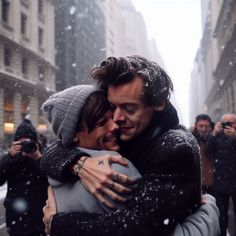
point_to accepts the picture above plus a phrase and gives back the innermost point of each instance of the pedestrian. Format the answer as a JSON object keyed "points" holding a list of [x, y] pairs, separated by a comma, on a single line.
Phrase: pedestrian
{"points": [[221, 146], [202, 129], [26, 184], [163, 151]]}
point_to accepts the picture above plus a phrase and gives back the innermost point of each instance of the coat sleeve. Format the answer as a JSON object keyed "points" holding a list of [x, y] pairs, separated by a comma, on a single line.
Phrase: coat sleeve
{"points": [[5, 164], [155, 205], [57, 161], [204, 222]]}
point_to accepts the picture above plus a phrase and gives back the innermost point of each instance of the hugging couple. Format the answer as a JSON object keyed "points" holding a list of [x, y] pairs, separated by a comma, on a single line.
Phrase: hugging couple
{"points": [[122, 164]]}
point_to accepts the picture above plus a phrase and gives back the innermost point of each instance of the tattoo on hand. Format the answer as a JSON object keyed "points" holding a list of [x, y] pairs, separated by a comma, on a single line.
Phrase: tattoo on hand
{"points": [[100, 162]]}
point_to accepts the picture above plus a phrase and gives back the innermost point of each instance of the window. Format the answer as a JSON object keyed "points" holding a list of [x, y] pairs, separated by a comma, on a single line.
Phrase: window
{"points": [[40, 37], [23, 24], [25, 105], [8, 108], [25, 66], [5, 10], [40, 7], [41, 73], [7, 57]]}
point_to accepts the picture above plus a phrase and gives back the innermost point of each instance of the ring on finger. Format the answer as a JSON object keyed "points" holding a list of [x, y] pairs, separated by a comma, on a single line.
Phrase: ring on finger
{"points": [[112, 185], [117, 177]]}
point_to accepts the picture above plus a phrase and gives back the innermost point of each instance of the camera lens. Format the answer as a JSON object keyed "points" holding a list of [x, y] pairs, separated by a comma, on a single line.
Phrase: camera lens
{"points": [[29, 146]]}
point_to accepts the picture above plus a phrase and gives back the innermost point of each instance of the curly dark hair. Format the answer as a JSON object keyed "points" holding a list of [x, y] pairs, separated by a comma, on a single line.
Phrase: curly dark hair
{"points": [[120, 70]]}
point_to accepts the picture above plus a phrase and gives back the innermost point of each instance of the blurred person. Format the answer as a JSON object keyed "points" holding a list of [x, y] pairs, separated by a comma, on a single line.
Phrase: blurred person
{"points": [[202, 128], [163, 151], [26, 184], [221, 146]]}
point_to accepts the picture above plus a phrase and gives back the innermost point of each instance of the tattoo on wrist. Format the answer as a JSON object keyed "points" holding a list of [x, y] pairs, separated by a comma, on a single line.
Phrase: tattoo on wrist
{"points": [[78, 166], [100, 162]]}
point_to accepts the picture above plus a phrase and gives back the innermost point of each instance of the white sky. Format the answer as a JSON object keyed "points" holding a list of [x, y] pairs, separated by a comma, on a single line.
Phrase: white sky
{"points": [[176, 27]]}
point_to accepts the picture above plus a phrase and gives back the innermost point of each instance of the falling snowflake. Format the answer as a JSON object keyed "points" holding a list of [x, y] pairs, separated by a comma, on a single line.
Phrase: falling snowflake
{"points": [[72, 10], [20, 205], [68, 27], [166, 222]]}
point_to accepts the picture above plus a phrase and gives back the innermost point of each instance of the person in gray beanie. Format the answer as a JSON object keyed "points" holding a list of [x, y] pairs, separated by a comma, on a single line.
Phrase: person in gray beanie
{"points": [[81, 117]]}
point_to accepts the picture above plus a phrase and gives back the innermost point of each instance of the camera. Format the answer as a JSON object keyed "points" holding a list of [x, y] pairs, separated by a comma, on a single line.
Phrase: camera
{"points": [[28, 146], [224, 124]]}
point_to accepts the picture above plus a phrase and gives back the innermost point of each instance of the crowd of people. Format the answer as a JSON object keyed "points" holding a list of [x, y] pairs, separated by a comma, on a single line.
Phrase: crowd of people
{"points": [[218, 150], [122, 163]]}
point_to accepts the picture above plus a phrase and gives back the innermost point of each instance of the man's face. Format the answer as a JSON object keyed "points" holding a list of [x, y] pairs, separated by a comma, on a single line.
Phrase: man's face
{"points": [[103, 135], [129, 112], [230, 119], [203, 127]]}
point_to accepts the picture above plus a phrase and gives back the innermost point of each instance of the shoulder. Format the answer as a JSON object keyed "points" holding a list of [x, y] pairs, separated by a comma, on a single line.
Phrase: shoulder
{"points": [[179, 134], [177, 139]]}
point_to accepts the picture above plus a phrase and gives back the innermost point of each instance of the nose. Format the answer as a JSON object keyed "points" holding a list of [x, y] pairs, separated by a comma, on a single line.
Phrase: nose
{"points": [[113, 127], [118, 115]]}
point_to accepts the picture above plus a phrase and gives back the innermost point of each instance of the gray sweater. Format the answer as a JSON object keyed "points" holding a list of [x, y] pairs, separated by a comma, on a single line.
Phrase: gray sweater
{"points": [[73, 197]]}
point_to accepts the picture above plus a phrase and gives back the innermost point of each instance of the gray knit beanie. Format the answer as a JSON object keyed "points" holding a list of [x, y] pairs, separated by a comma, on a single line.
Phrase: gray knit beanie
{"points": [[62, 110]]}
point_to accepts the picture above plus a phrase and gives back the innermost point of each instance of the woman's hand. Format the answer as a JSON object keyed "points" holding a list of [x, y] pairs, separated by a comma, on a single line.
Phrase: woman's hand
{"points": [[100, 180], [49, 210]]}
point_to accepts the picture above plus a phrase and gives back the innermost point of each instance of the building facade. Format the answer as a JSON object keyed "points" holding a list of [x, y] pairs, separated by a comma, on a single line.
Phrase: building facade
{"points": [[80, 40], [222, 95], [216, 60], [126, 32], [27, 67]]}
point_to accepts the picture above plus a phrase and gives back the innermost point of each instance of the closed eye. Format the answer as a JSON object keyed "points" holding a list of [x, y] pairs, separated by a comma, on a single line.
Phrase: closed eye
{"points": [[101, 122], [129, 108]]}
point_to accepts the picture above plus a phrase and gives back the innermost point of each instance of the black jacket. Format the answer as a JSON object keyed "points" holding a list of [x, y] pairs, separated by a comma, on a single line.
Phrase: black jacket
{"points": [[222, 150], [26, 194], [167, 156]]}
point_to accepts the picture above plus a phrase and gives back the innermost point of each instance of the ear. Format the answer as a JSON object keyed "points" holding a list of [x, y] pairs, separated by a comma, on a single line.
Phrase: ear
{"points": [[160, 107], [76, 138], [78, 135]]}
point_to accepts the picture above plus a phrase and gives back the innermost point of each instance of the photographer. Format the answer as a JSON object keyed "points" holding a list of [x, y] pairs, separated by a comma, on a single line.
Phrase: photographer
{"points": [[27, 186], [221, 146]]}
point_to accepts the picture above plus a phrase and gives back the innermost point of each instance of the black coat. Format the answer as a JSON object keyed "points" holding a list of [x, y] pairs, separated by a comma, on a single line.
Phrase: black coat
{"points": [[26, 194], [167, 156], [222, 150]]}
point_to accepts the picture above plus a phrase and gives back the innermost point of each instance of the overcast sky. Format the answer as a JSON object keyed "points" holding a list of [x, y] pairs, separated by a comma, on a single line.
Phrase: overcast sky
{"points": [[176, 27]]}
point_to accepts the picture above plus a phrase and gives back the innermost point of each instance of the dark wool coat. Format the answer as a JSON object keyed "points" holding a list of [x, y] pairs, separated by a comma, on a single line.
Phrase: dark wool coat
{"points": [[222, 150], [26, 194], [167, 156]]}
